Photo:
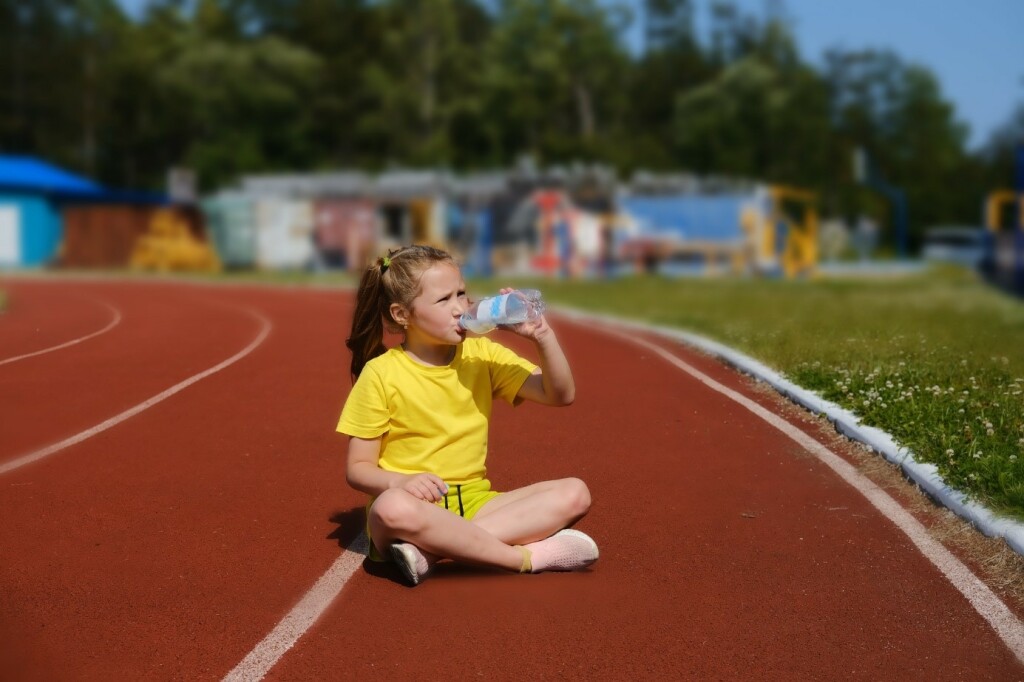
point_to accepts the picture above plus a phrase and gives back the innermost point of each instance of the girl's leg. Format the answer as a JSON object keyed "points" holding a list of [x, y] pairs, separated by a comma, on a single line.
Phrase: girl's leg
{"points": [[397, 516], [534, 512]]}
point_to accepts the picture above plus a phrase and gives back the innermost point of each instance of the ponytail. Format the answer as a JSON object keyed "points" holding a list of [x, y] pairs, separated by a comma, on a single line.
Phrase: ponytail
{"points": [[394, 278], [367, 339]]}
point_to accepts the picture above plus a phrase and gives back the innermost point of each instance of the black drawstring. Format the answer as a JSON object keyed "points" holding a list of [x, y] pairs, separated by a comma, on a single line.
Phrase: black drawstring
{"points": [[458, 492]]}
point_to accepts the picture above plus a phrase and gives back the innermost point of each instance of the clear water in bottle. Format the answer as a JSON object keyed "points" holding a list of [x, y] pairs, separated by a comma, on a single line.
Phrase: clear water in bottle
{"points": [[512, 308]]}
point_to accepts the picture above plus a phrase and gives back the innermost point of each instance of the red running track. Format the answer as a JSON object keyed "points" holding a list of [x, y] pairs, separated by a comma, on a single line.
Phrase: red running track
{"points": [[170, 545]]}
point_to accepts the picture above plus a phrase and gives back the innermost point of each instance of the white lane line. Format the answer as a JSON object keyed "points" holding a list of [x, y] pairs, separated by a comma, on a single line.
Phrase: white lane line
{"points": [[1006, 625], [113, 323], [302, 616], [265, 327]]}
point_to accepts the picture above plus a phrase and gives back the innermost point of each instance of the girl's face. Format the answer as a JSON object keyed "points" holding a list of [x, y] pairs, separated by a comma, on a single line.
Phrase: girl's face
{"points": [[434, 316]]}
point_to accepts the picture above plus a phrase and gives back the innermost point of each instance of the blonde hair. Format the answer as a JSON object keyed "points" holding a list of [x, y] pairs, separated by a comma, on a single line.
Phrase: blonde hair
{"points": [[394, 278]]}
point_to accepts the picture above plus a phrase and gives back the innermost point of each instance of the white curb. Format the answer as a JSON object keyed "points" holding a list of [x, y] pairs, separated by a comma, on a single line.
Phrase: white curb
{"points": [[923, 474]]}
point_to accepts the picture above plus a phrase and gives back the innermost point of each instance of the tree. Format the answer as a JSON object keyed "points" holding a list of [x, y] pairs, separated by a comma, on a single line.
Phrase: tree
{"points": [[553, 73], [220, 101], [763, 116], [897, 113], [424, 82], [53, 59], [1002, 150], [672, 62]]}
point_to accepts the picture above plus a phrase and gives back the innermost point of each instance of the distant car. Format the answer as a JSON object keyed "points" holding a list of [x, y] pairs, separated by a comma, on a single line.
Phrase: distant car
{"points": [[961, 245]]}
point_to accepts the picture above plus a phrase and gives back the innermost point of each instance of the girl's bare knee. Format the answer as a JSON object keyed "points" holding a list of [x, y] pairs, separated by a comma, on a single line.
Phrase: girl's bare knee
{"points": [[576, 495], [395, 510]]}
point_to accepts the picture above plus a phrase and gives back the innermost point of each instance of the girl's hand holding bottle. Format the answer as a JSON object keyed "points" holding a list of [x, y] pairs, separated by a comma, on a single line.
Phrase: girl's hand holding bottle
{"points": [[534, 326], [520, 311]]}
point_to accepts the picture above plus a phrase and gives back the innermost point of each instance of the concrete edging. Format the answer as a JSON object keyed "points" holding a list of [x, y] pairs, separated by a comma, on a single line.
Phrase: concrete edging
{"points": [[923, 474]]}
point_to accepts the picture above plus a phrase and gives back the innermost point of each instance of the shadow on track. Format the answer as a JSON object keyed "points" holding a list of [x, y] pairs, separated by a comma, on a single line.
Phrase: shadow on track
{"points": [[351, 523]]}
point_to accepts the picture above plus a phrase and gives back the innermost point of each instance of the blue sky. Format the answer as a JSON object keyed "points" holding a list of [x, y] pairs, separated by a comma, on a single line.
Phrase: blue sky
{"points": [[975, 47]]}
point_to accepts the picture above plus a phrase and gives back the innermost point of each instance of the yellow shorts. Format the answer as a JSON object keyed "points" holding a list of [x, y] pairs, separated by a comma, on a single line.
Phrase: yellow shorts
{"points": [[465, 500]]}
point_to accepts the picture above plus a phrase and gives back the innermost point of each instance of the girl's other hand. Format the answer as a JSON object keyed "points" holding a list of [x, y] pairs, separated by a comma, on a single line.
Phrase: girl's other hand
{"points": [[427, 487]]}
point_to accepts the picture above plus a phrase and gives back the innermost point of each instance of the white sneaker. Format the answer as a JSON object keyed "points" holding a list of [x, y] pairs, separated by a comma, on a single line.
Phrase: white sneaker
{"points": [[410, 561], [566, 550]]}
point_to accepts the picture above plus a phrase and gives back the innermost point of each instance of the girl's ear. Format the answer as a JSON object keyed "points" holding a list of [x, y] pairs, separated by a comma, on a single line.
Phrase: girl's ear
{"points": [[399, 314]]}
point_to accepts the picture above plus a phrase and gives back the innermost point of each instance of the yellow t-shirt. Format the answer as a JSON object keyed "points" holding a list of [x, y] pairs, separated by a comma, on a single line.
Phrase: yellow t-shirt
{"points": [[433, 419]]}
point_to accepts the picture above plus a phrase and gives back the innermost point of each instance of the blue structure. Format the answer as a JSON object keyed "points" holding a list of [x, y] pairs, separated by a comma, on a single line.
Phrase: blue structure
{"points": [[31, 195], [689, 217]]}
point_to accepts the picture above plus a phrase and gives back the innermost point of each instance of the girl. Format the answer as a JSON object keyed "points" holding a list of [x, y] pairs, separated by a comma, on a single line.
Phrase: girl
{"points": [[418, 418]]}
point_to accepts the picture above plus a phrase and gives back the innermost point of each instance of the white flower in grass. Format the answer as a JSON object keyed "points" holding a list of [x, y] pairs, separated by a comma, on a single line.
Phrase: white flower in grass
{"points": [[949, 452], [990, 432], [961, 410], [1013, 458]]}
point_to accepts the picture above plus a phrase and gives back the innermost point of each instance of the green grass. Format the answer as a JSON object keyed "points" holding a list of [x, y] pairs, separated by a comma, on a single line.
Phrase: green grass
{"points": [[935, 359]]}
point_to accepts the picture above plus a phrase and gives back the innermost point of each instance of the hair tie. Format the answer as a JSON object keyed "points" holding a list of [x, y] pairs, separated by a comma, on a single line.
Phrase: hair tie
{"points": [[385, 263]]}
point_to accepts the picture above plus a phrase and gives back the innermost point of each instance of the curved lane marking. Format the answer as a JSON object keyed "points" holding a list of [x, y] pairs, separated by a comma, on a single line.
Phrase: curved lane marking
{"points": [[1006, 625], [287, 632], [265, 327], [113, 323]]}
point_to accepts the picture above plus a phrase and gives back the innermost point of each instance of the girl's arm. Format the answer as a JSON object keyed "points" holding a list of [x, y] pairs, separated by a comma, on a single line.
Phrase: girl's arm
{"points": [[552, 383], [363, 474]]}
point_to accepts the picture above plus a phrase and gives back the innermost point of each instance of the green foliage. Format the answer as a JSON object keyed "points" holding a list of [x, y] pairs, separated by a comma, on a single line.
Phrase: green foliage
{"points": [[230, 100], [235, 86], [551, 78]]}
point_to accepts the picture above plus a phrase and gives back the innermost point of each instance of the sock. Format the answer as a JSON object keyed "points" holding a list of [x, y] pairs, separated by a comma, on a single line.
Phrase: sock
{"points": [[527, 566]]}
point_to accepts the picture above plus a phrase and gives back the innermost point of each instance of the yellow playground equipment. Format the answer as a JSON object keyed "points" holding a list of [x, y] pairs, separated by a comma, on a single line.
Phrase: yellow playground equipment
{"points": [[1004, 245], [782, 233], [169, 246], [995, 206]]}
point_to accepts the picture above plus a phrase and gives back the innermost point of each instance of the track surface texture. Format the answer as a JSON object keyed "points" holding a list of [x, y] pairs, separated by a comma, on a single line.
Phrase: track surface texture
{"points": [[169, 545]]}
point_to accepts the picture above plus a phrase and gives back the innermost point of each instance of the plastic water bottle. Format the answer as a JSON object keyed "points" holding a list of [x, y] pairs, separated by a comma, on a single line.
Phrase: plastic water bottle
{"points": [[512, 308]]}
